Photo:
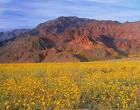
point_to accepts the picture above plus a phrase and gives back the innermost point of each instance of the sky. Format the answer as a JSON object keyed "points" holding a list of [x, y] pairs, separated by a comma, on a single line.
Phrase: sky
{"points": [[16, 14]]}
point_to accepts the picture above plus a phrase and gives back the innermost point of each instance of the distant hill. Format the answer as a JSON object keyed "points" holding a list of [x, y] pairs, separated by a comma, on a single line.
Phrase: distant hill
{"points": [[12, 34], [71, 39]]}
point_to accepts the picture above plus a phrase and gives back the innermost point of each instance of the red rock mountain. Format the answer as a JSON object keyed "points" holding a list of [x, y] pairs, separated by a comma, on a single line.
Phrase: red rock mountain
{"points": [[73, 39]]}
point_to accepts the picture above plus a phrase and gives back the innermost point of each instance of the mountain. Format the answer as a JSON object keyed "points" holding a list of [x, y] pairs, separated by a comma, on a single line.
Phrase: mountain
{"points": [[12, 34], [73, 39], [5, 36]]}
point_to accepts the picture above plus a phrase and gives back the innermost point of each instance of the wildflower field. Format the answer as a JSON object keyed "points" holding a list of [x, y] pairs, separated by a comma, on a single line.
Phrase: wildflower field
{"points": [[102, 85]]}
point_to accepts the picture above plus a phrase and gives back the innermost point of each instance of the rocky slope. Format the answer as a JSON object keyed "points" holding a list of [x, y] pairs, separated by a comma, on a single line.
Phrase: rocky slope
{"points": [[73, 39]]}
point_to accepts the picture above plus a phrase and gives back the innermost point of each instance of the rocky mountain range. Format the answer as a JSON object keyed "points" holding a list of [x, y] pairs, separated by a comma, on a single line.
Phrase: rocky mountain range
{"points": [[71, 39]]}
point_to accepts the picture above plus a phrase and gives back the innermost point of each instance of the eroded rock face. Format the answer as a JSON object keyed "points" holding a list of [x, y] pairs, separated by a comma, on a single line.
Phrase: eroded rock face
{"points": [[73, 39]]}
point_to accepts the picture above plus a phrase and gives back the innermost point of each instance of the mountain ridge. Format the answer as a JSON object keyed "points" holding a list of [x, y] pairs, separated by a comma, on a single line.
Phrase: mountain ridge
{"points": [[73, 39]]}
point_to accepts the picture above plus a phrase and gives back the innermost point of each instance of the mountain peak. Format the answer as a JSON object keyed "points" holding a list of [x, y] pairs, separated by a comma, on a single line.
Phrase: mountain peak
{"points": [[59, 24]]}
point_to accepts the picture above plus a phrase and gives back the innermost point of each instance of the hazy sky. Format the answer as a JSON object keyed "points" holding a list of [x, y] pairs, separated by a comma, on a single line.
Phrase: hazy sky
{"points": [[29, 13]]}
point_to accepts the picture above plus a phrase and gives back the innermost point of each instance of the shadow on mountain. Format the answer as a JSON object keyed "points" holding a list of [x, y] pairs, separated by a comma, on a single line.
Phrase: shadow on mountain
{"points": [[109, 42], [81, 58]]}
